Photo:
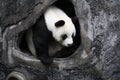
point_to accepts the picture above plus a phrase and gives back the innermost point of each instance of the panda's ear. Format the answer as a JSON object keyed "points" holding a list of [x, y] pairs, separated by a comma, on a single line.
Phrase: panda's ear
{"points": [[74, 19], [59, 23]]}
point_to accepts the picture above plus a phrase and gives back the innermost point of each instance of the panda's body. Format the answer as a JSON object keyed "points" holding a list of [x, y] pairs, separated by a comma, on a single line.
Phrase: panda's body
{"points": [[53, 24]]}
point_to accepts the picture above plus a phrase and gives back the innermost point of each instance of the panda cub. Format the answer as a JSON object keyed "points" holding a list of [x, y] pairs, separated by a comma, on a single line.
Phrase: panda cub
{"points": [[53, 24]]}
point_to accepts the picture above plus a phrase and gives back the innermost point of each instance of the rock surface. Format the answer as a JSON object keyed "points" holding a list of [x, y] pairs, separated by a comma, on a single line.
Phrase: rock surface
{"points": [[100, 25]]}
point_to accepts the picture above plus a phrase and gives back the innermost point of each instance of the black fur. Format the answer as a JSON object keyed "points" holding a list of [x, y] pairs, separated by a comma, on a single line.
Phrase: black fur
{"points": [[41, 38], [60, 23], [74, 19]]}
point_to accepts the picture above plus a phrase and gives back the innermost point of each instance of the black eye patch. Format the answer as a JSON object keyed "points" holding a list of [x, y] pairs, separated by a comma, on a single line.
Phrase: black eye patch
{"points": [[60, 23], [64, 37]]}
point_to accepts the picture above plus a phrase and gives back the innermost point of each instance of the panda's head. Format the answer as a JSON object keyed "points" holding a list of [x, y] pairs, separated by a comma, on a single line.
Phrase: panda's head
{"points": [[61, 25], [64, 32]]}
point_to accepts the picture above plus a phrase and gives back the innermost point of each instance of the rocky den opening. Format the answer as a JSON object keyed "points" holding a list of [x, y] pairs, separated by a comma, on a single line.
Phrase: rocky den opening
{"points": [[16, 51], [55, 50]]}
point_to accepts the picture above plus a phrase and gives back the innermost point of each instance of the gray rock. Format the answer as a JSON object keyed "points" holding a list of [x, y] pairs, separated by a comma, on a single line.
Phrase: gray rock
{"points": [[97, 57]]}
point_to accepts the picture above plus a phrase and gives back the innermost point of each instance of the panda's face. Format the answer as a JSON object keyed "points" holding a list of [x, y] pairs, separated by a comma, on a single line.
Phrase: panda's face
{"points": [[64, 32], [61, 25]]}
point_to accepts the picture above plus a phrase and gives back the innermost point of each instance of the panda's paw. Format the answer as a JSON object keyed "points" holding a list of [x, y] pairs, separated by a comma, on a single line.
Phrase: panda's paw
{"points": [[46, 61]]}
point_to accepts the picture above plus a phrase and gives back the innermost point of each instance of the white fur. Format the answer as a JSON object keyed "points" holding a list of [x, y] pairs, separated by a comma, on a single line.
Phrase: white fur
{"points": [[54, 14]]}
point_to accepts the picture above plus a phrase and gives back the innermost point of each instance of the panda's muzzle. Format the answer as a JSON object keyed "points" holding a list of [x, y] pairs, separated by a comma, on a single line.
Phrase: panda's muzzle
{"points": [[69, 45]]}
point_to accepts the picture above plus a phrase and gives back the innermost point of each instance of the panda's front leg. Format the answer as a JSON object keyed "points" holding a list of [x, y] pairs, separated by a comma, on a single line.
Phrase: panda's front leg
{"points": [[42, 54]]}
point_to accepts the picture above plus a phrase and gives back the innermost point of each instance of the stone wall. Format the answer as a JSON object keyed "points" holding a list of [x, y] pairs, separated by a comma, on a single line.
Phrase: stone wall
{"points": [[97, 58]]}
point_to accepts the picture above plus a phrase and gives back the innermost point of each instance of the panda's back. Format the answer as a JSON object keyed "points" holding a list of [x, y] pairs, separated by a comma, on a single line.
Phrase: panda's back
{"points": [[54, 12]]}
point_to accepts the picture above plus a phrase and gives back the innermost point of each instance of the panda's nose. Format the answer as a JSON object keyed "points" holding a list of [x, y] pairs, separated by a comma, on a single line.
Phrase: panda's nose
{"points": [[69, 45]]}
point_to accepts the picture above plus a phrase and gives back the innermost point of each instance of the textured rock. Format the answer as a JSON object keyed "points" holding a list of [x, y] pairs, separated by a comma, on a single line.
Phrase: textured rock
{"points": [[100, 34]]}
